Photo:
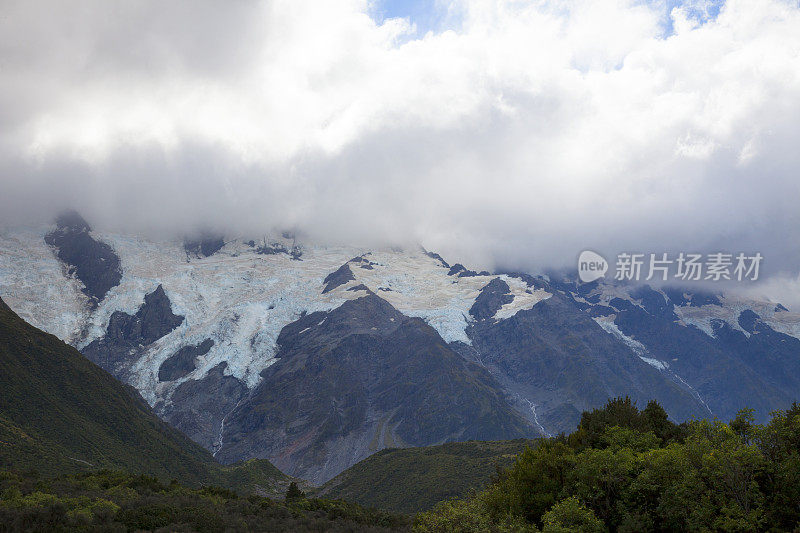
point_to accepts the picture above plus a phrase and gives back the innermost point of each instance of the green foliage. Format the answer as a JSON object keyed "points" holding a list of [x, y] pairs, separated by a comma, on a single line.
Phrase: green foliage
{"points": [[252, 476], [410, 480], [116, 501], [623, 412], [454, 515], [468, 516], [570, 515], [60, 413], [621, 470], [630, 470], [335, 510], [294, 492], [532, 485]]}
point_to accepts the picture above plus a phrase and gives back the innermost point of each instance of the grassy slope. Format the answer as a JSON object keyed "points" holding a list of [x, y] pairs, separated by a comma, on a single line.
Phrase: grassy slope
{"points": [[61, 413], [415, 479]]}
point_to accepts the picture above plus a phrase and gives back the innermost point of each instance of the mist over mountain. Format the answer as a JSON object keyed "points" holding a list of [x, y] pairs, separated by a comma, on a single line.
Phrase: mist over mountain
{"points": [[508, 134], [378, 249], [315, 356]]}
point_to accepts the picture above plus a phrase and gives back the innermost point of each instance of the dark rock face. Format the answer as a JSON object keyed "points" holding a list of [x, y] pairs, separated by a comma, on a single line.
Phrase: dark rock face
{"points": [[455, 269], [182, 362], [622, 305], [295, 252], [198, 407], [725, 372], [654, 302], [493, 296], [153, 320], [701, 298], [712, 366], [436, 256], [600, 310], [461, 271], [337, 278], [127, 334], [94, 262], [532, 281], [774, 357], [561, 361], [358, 379], [362, 262], [206, 246], [749, 321], [272, 249], [677, 296]]}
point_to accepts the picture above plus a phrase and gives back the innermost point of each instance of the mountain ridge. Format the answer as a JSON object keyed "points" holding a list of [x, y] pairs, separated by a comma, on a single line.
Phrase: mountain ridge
{"points": [[59, 412], [370, 376], [551, 346]]}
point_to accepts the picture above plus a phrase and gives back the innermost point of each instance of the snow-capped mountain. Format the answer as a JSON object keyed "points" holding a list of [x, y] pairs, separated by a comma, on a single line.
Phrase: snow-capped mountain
{"points": [[315, 356]]}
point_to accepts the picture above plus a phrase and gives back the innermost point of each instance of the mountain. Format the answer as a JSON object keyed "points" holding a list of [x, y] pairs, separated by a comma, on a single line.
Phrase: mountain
{"points": [[410, 480], [359, 378], [315, 357], [93, 262], [730, 353], [61, 413], [560, 360]]}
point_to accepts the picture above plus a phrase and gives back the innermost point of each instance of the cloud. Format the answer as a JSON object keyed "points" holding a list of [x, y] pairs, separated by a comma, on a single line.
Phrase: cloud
{"points": [[518, 134]]}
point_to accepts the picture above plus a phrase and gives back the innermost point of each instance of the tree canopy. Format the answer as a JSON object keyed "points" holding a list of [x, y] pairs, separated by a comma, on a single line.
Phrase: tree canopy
{"points": [[626, 469]]}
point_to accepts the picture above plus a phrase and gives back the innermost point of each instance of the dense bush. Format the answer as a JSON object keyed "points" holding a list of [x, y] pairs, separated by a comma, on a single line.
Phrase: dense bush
{"points": [[115, 501], [630, 470], [622, 470]]}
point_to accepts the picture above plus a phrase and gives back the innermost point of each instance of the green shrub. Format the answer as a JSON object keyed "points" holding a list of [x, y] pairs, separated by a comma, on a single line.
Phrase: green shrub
{"points": [[570, 515], [626, 470]]}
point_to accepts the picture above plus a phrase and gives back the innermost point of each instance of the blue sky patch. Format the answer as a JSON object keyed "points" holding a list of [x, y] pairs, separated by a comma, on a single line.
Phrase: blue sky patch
{"points": [[427, 15]]}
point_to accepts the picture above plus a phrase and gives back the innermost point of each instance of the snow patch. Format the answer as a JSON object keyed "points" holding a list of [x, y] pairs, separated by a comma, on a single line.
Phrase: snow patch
{"points": [[703, 317], [607, 323], [660, 365], [35, 284], [524, 298], [238, 298], [420, 287]]}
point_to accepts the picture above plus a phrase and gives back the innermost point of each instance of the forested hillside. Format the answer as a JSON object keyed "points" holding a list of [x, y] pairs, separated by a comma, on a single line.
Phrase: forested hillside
{"points": [[630, 470], [60, 413]]}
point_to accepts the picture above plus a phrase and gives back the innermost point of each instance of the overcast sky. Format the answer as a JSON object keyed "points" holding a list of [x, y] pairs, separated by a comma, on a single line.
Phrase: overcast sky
{"points": [[507, 132]]}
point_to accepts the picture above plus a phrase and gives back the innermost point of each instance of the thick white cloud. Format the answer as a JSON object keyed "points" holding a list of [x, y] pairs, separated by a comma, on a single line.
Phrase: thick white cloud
{"points": [[524, 134]]}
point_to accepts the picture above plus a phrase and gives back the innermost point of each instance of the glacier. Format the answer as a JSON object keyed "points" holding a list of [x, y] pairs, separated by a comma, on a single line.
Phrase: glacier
{"points": [[237, 297]]}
